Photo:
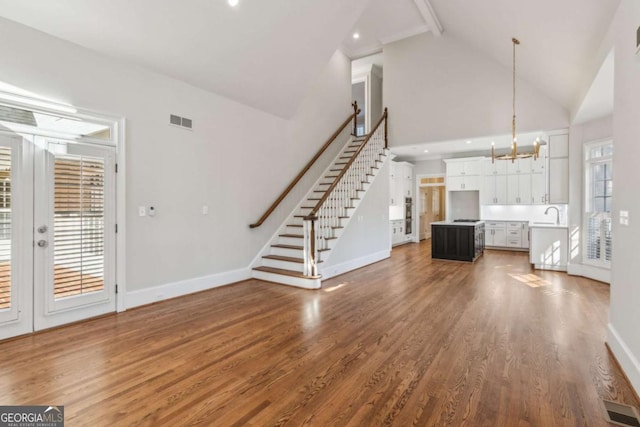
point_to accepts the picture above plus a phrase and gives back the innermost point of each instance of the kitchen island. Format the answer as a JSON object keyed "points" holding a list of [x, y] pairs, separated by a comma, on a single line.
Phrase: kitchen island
{"points": [[457, 240]]}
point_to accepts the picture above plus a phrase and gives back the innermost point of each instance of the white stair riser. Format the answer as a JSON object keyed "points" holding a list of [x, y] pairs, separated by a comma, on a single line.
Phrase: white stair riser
{"points": [[286, 252], [287, 280], [290, 241], [293, 230], [285, 265]]}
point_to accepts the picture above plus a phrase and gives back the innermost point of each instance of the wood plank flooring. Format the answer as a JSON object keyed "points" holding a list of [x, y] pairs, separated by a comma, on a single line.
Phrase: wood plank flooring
{"points": [[406, 341]]}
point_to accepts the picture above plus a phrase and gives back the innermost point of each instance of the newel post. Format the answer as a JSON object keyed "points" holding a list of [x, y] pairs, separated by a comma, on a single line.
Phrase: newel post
{"points": [[355, 118], [309, 246], [386, 115]]}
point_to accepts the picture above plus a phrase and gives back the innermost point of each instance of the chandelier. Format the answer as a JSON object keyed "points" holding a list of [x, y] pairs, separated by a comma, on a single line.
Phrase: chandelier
{"points": [[514, 155]]}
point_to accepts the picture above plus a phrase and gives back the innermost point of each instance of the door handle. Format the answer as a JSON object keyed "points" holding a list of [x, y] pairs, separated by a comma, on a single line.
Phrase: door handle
{"points": [[42, 229], [43, 243]]}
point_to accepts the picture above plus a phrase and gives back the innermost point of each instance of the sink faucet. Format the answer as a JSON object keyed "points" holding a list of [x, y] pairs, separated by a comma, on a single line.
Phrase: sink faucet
{"points": [[557, 213]]}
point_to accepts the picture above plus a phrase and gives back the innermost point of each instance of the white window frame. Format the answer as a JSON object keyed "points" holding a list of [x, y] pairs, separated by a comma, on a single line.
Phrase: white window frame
{"points": [[588, 212]]}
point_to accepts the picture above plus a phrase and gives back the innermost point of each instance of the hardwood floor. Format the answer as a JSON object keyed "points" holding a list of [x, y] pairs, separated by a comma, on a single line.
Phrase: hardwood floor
{"points": [[406, 341]]}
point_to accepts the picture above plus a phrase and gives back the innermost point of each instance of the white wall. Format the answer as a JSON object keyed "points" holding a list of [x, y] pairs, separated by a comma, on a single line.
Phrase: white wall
{"points": [[624, 312], [366, 238], [439, 89], [236, 160], [429, 167]]}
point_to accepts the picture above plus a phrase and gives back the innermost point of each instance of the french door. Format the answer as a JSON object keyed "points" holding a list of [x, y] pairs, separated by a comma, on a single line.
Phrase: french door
{"points": [[62, 219]]}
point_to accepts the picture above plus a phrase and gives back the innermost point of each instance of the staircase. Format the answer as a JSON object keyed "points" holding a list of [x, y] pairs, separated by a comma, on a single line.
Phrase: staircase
{"points": [[295, 255]]}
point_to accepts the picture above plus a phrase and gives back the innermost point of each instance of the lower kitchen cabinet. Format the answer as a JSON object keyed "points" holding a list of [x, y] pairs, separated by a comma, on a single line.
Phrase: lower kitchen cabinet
{"points": [[549, 248], [507, 234]]}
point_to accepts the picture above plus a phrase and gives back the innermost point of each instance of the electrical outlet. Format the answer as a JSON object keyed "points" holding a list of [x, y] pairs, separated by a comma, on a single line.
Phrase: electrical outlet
{"points": [[142, 211], [205, 210]]}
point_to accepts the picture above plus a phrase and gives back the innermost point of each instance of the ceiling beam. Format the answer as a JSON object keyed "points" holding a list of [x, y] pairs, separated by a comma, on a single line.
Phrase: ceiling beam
{"points": [[429, 16]]}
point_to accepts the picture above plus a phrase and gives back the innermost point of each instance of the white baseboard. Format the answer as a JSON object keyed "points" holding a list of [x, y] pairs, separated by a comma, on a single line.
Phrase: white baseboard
{"points": [[338, 269], [184, 287], [625, 357], [590, 272]]}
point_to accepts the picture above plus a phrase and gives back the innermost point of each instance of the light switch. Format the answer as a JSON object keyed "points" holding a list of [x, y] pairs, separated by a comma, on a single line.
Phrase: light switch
{"points": [[205, 210], [142, 211], [624, 218]]}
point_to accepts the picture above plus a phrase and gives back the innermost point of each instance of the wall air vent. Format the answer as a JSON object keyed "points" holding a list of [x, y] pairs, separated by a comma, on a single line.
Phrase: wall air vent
{"points": [[182, 122]]}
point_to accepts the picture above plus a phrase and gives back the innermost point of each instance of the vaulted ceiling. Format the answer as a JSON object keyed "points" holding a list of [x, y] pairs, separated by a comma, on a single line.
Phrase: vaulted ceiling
{"points": [[266, 54]]}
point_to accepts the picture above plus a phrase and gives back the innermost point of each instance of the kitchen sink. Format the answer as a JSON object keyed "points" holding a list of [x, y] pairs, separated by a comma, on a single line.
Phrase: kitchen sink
{"points": [[543, 223]]}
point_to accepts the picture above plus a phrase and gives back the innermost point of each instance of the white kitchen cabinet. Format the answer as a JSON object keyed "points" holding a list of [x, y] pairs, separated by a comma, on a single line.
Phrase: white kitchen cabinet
{"points": [[463, 183], [549, 247], [495, 233], [393, 184], [540, 164], [407, 177], [400, 183], [519, 189], [518, 166], [397, 231], [559, 180], [539, 189], [514, 235], [507, 234], [559, 168], [499, 167], [494, 190], [464, 167]]}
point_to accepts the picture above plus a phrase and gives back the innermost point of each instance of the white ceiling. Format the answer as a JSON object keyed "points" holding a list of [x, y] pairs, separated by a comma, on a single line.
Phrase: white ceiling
{"points": [[599, 100], [265, 54], [559, 38], [481, 145], [382, 22]]}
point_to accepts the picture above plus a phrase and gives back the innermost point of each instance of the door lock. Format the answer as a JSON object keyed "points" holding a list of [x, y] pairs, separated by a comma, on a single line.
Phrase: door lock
{"points": [[43, 243], [42, 229]]}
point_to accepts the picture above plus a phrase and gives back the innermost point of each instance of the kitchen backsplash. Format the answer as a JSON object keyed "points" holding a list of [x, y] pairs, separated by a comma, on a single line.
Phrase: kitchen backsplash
{"points": [[522, 213]]}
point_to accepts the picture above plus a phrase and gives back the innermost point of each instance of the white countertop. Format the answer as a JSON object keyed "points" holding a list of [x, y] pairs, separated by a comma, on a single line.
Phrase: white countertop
{"points": [[466, 224], [538, 224]]}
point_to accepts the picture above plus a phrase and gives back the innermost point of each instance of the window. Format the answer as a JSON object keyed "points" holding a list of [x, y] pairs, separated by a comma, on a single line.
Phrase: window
{"points": [[598, 197]]}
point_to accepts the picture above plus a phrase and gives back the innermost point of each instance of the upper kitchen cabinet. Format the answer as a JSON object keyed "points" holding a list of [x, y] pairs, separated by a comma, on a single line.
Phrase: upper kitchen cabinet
{"points": [[497, 167], [464, 167], [559, 168], [400, 183], [519, 166], [464, 174], [407, 177]]}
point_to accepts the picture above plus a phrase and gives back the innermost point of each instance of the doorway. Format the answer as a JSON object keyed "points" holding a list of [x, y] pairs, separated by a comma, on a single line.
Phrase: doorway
{"points": [[432, 204], [57, 226]]}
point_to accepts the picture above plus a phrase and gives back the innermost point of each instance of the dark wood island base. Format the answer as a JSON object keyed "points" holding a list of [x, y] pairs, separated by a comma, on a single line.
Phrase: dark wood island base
{"points": [[457, 241]]}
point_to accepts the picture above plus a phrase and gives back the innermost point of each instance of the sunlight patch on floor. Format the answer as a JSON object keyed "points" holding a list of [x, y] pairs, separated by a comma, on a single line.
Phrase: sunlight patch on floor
{"points": [[335, 288], [531, 280]]}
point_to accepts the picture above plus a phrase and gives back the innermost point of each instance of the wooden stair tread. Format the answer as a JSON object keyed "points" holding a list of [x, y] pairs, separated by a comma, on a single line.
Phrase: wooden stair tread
{"points": [[294, 225], [281, 246], [299, 236], [284, 258], [285, 272]]}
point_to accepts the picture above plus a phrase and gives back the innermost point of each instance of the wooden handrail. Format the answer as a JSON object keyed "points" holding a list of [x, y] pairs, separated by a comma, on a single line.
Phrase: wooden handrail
{"points": [[307, 167], [314, 211]]}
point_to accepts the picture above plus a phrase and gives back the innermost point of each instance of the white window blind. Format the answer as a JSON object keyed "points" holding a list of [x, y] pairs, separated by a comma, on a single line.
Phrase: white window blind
{"points": [[79, 224], [599, 196], [5, 228]]}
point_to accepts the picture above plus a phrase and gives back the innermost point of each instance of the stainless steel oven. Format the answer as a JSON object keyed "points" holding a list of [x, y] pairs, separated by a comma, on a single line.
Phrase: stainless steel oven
{"points": [[408, 215]]}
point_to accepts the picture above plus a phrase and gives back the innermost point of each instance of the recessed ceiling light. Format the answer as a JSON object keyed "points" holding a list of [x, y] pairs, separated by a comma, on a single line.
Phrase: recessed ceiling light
{"points": [[468, 142], [426, 151], [233, 3], [356, 36]]}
